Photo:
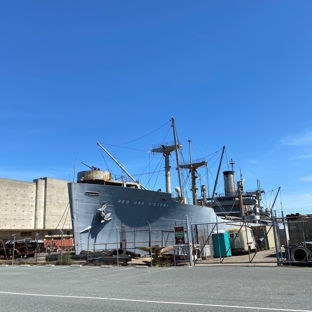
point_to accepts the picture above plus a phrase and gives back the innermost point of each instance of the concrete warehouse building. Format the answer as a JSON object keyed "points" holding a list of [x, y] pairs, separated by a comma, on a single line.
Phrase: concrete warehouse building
{"points": [[28, 208]]}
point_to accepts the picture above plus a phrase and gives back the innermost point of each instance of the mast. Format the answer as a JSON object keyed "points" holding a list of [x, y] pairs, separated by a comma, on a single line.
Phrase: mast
{"points": [[177, 155], [193, 167], [166, 150], [218, 173], [119, 165]]}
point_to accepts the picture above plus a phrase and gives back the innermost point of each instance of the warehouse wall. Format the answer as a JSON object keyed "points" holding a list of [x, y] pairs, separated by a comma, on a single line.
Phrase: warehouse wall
{"points": [[41, 206], [17, 204]]}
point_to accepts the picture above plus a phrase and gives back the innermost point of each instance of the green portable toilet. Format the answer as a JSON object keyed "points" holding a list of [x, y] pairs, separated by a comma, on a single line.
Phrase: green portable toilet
{"points": [[221, 244]]}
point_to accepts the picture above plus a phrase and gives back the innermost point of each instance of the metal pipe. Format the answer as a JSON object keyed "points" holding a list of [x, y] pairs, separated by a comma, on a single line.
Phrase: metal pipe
{"points": [[188, 241], [275, 197], [275, 239], [247, 240], [150, 241], [278, 236], [117, 245], [218, 238], [286, 237], [37, 235], [88, 249], [62, 246], [13, 248]]}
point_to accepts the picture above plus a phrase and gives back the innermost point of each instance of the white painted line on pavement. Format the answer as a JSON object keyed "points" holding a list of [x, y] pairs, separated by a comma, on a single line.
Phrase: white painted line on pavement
{"points": [[152, 301]]}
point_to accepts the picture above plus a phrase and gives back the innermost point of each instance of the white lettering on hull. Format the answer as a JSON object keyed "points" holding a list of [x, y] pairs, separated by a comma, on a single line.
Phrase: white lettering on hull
{"points": [[141, 203]]}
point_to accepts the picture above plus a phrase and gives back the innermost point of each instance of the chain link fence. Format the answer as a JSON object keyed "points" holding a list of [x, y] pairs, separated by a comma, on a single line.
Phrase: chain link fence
{"points": [[279, 240], [298, 248]]}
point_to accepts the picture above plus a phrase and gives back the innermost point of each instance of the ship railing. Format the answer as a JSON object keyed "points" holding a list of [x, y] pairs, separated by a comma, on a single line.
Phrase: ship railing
{"points": [[123, 178], [194, 161]]}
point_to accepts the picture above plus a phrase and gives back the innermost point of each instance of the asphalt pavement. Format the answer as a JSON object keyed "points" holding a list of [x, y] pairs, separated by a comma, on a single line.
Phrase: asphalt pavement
{"points": [[204, 288]]}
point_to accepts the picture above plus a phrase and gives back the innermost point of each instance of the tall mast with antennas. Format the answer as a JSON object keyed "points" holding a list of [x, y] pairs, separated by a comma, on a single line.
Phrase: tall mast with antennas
{"points": [[193, 166], [166, 150]]}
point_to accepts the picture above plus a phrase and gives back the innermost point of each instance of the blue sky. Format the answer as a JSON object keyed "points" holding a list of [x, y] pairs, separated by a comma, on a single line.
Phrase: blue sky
{"points": [[233, 73]]}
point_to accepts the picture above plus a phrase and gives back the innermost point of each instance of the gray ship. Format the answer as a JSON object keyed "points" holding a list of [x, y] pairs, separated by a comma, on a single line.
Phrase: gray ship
{"points": [[108, 214]]}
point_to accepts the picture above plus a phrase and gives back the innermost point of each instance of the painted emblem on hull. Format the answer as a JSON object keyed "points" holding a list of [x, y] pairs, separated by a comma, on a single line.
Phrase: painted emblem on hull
{"points": [[100, 217]]}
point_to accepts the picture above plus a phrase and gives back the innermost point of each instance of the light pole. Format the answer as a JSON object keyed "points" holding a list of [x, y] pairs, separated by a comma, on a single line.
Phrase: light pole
{"points": [[13, 248]]}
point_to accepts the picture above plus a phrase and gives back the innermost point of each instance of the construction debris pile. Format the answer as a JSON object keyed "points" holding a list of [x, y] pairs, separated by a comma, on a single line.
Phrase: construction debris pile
{"points": [[23, 248]]}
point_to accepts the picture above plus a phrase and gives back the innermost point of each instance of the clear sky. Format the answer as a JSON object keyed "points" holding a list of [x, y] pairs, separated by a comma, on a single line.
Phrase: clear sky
{"points": [[232, 73]]}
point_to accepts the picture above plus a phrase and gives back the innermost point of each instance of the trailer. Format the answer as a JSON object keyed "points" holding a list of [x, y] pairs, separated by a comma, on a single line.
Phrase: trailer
{"points": [[242, 240]]}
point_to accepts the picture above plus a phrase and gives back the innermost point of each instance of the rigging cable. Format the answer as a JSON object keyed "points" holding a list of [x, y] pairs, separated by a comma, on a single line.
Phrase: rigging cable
{"points": [[66, 209], [143, 135], [148, 165], [101, 151], [65, 218], [135, 149], [159, 164]]}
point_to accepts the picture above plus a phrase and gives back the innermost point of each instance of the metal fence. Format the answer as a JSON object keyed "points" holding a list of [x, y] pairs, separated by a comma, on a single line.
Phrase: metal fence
{"points": [[298, 247], [281, 241], [284, 241], [137, 239], [240, 242]]}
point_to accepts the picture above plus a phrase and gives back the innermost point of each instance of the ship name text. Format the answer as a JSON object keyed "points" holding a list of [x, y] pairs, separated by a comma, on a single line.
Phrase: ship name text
{"points": [[138, 202]]}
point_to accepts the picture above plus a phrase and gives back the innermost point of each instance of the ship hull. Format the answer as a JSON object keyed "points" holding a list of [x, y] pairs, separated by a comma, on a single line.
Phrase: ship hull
{"points": [[108, 217]]}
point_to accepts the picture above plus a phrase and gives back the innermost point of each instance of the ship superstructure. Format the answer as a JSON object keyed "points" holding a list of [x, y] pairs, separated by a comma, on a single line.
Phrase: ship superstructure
{"points": [[237, 203]]}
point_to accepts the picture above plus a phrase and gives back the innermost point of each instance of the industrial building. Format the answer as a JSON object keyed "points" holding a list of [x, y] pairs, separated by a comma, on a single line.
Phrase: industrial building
{"points": [[35, 210]]}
